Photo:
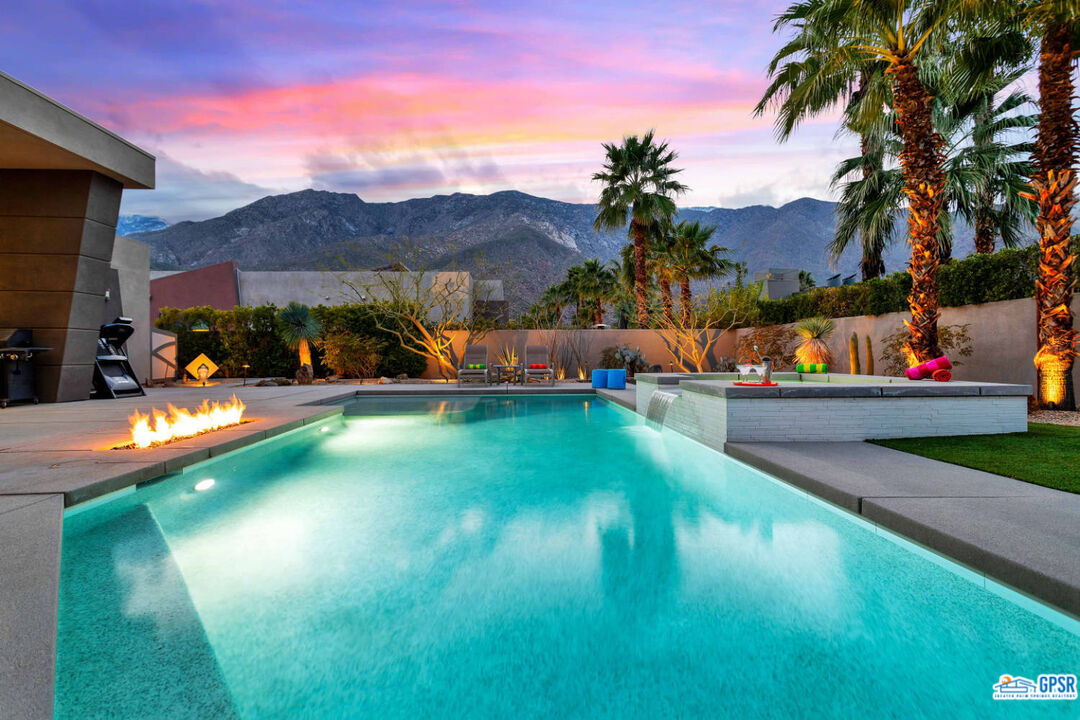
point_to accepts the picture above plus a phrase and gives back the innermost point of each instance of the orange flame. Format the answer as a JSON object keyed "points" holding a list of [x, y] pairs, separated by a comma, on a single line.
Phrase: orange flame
{"points": [[180, 423]]}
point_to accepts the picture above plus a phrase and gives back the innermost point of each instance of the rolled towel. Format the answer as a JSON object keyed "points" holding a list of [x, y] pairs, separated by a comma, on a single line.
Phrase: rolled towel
{"points": [[942, 375], [476, 366], [926, 369], [538, 366], [812, 368]]}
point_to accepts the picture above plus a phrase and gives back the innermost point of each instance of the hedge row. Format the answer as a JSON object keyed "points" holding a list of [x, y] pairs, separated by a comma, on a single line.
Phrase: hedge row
{"points": [[251, 336], [1004, 275]]}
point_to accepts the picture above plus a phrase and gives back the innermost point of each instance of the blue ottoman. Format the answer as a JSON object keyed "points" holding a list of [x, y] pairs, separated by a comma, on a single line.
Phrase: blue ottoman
{"points": [[616, 379], [599, 378]]}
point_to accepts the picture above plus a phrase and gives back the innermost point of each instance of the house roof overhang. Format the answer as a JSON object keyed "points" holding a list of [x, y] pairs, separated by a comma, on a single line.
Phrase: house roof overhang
{"points": [[38, 133]]}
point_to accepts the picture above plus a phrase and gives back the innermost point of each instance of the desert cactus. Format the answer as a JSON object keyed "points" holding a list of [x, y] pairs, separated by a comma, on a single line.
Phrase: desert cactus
{"points": [[869, 356], [853, 351]]}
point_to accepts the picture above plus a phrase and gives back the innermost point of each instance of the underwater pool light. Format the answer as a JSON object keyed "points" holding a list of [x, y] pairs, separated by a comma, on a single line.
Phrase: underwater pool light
{"points": [[324, 428], [204, 484]]}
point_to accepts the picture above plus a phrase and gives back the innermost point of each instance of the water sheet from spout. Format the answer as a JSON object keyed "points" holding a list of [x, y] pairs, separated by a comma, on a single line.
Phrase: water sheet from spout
{"points": [[659, 403]]}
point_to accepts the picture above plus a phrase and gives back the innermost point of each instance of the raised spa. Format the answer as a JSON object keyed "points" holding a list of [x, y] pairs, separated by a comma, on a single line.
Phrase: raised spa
{"points": [[712, 409]]}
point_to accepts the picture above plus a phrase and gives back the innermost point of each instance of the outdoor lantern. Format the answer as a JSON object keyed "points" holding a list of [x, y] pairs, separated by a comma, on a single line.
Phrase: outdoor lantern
{"points": [[245, 366]]}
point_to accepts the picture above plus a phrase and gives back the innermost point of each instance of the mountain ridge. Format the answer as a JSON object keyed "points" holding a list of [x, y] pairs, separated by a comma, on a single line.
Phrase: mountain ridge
{"points": [[502, 234]]}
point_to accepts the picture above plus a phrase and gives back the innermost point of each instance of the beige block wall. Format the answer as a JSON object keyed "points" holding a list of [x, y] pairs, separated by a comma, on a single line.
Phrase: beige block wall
{"points": [[1002, 334], [593, 343]]}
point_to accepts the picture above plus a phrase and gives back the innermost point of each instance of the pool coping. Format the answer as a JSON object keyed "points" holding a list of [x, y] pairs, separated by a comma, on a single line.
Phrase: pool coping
{"points": [[981, 521]]}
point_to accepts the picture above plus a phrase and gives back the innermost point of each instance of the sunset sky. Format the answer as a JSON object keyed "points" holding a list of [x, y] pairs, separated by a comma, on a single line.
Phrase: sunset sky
{"points": [[391, 100]]}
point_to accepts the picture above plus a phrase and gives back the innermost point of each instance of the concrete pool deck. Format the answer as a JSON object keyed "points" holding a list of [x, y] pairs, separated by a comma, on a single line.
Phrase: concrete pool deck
{"points": [[53, 456]]}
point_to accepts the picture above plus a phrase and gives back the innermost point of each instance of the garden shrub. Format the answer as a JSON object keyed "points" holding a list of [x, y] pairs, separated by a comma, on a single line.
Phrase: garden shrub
{"points": [[1008, 274], [252, 336], [774, 341], [350, 355], [364, 320], [954, 341]]}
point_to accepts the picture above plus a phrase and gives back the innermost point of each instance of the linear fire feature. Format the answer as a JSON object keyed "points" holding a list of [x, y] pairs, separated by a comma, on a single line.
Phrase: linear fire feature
{"points": [[160, 427]]}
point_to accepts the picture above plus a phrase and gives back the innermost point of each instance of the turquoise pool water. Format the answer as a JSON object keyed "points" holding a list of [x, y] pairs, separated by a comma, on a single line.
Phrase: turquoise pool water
{"points": [[504, 557]]}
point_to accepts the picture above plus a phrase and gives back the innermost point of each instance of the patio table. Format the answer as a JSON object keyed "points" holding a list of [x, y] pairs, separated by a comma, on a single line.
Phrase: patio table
{"points": [[506, 373]]}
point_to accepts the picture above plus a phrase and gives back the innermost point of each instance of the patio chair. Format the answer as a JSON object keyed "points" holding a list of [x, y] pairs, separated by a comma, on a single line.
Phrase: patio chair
{"points": [[477, 357], [537, 365]]}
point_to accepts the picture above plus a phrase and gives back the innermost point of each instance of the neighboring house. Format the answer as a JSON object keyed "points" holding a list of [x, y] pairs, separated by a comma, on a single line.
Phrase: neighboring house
{"points": [[837, 280], [777, 283], [223, 286]]}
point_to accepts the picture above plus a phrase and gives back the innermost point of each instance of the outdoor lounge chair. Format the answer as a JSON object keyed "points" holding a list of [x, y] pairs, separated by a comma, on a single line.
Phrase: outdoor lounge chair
{"points": [[475, 355], [537, 355]]}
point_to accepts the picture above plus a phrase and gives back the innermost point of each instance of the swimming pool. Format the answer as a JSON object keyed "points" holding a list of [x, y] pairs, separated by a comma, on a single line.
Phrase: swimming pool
{"points": [[516, 556]]}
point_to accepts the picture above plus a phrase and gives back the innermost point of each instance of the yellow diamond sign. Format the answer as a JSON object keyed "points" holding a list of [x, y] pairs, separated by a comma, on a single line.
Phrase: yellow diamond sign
{"points": [[201, 368]]}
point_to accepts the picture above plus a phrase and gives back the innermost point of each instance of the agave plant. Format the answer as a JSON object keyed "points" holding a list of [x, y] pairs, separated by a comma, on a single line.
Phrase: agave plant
{"points": [[508, 355], [814, 344]]}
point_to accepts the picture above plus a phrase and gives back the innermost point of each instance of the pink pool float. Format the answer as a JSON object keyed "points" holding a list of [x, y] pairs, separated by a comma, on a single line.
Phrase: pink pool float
{"points": [[938, 369]]}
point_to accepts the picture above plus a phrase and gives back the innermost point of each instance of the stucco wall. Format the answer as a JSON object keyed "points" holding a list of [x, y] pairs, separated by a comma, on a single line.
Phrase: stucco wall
{"points": [[131, 260], [1002, 334], [592, 343]]}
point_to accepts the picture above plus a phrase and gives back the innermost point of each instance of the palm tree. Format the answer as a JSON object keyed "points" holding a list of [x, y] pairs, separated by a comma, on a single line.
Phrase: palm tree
{"points": [[598, 284], [553, 302], [571, 290], [900, 33], [299, 328], [692, 258], [659, 265], [1053, 183], [639, 187], [804, 84], [997, 170], [979, 168]]}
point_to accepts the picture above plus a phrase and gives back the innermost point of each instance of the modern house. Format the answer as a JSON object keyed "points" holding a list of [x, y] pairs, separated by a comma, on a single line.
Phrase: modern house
{"points": [[62, 273], [777, 283]]}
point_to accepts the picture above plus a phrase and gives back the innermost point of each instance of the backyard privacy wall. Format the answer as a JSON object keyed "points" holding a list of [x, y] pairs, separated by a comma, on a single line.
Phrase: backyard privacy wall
{"points": [[590, 343], [1002, 337]]}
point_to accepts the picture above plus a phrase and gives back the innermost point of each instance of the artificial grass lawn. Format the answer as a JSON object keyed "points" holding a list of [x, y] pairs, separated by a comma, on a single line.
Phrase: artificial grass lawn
{"points": [[1045, 455]]}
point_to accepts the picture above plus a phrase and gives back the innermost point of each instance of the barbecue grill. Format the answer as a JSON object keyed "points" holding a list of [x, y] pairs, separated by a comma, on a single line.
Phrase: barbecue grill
{"points": [[17, 381]]}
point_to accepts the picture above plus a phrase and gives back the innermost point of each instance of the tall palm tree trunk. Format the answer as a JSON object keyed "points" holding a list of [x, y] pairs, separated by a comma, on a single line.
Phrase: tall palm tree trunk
{"points": [[924, 177], [984, 230], [641, 276], [985, 233], [1054, 183], [685, 299], [598, 311], [668, 302], [872, 264]]}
